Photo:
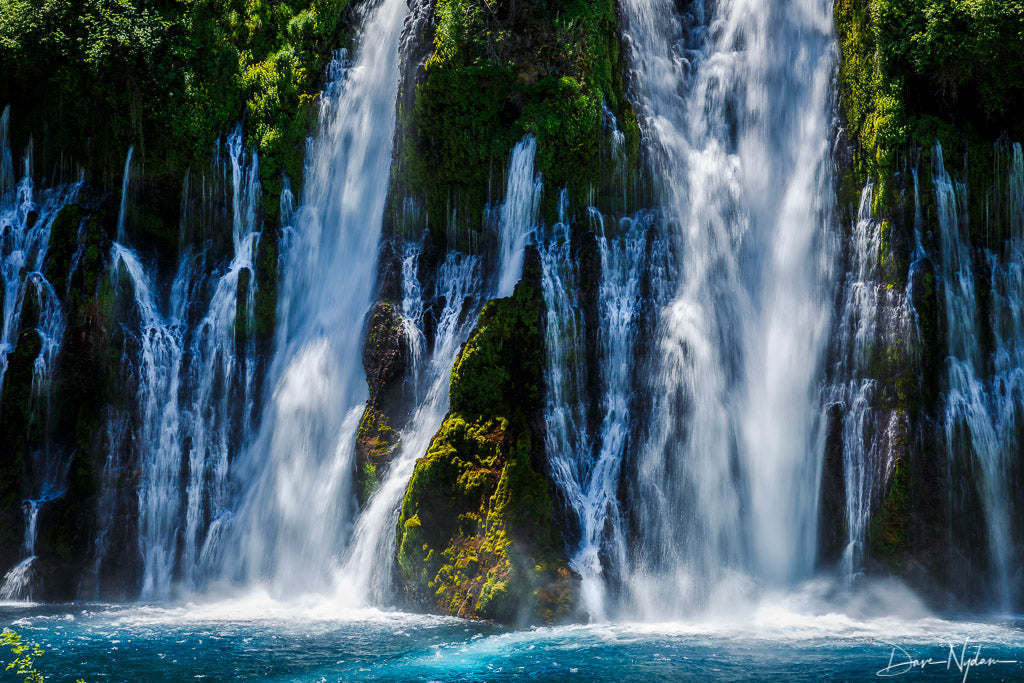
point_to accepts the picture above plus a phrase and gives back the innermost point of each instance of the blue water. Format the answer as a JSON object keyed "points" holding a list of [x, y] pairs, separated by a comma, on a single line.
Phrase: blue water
{"points": [[780, 638]]}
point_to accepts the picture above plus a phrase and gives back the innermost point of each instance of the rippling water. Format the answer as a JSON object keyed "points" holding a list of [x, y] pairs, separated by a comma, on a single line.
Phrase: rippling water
{"points": [[810, 635]]}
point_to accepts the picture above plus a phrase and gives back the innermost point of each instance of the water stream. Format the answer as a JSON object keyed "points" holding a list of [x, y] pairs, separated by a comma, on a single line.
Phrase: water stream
{"points": [[292, 524], [737, 108]]}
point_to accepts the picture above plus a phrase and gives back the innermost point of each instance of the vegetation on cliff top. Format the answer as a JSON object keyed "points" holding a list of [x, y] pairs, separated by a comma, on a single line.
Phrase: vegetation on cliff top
{"points": [[915, 70], [92, 77]]}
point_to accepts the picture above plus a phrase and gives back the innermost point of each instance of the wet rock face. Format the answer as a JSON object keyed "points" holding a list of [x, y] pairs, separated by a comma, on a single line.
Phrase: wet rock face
{"points": [[16, 428], [832, 529], [385, 357], [385, 352]]}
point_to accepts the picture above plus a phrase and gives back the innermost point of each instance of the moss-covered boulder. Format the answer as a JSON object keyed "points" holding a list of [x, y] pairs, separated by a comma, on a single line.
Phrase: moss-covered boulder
{"points": [[477, 535]]}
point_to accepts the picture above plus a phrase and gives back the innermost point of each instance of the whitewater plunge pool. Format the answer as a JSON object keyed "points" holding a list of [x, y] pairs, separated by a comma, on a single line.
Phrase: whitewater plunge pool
{"points": [[257, 639]]}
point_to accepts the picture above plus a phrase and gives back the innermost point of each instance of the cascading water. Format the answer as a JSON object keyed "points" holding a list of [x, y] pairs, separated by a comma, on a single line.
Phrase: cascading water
{"points": [[221, 375], [185, 379], [984, 404], [873, 318], [289, 529], [587, 468], [738, 113], [517, 217], [158, 371], [17, 584], [26, 217], [361, 578]]}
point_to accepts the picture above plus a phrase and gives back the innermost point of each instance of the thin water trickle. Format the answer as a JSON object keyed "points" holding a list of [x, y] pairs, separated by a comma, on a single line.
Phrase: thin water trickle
{"points": [[517, 216], [122, 211]]}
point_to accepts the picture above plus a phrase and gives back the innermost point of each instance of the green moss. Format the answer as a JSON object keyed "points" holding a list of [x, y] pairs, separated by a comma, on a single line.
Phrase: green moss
{"points": [[487, 376], [476, 535], [888, 534], [265, 299], [376, 442], [62, 247], [916, 71], [872, 103], [499, 71]]}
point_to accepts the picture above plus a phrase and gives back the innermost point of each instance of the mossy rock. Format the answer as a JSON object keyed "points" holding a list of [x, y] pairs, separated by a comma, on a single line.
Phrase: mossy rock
{"points": [[376, 443], [477, 535], [498, 369], [62, 248], [265, 299], [887, 536]]}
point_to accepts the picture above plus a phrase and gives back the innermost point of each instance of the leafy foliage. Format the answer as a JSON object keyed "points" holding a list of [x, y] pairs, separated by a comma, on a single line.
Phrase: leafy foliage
{"points": [[169, 76], [912, 69], [25, 655]]}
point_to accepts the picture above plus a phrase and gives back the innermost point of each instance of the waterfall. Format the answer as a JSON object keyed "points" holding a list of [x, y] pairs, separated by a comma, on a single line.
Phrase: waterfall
{"points": [[587, 466], [27, 214], [17, 582], [737, 108], [873, 319], [158, 369], [190, 381], [289, 529], [985, 394], [220, 374], [518, 214]]}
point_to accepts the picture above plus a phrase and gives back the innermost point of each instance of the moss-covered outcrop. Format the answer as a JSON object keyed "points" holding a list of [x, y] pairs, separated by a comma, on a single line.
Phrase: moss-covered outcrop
{"points": [[477, 535], [497, 71], [385, 355]]}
